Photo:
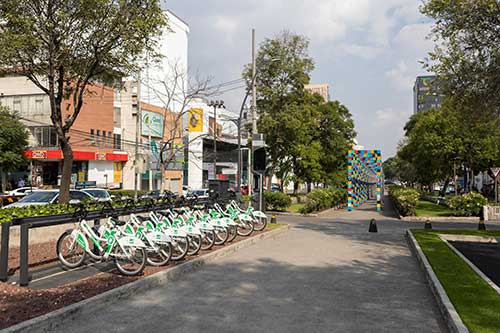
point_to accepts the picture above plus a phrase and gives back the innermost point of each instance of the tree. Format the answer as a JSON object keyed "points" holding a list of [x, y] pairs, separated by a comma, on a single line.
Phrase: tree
{"points": [[432, 145], [283, 67], [390, 167], [177, 91], [466, 56], [13, 142], [66, 46], [336, 133]]}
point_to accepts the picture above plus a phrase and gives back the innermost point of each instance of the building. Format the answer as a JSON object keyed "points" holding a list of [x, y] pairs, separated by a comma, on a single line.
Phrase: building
{"points": [[425, 96], [322, 89], [97, 149]]}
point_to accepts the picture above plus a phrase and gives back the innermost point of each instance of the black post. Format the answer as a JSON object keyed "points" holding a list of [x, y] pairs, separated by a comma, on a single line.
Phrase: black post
{"points": [[23, 273], [4, 252]]}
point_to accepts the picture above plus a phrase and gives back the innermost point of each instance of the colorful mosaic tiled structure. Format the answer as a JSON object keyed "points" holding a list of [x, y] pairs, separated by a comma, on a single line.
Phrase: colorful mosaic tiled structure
{"points": [[364, 170]]}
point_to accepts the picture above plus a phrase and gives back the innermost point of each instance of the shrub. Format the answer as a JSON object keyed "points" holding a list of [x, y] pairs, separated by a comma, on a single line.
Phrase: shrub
{"points": [[320, 199], [469, 204], [277, 200], [405, 199]]}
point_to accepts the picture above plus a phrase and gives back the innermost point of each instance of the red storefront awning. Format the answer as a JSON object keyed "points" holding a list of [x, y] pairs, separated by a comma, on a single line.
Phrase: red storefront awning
{"points": [[77, 155]]}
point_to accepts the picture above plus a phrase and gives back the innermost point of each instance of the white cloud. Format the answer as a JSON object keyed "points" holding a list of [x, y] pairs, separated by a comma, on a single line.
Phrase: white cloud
{"points": [[401, 76], [361, 51]]}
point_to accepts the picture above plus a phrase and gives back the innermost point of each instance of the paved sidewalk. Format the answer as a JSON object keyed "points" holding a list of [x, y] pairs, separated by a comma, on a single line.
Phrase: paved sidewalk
{"points": [[327, 274]]}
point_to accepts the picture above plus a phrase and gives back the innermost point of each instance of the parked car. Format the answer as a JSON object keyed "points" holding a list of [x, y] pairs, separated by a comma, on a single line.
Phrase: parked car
{"points": [[198, 193], [46, 197], [158, 194], [98, 193], [275, 187], [21, 192], [185, 190]]}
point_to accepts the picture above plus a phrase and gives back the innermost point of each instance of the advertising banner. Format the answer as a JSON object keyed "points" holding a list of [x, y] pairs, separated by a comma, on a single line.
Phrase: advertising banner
{"points": [[195, 120], [152, 121]]}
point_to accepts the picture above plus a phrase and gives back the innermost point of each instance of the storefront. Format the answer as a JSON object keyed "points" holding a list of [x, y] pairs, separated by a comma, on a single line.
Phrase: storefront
{"points": [[105, 169]]}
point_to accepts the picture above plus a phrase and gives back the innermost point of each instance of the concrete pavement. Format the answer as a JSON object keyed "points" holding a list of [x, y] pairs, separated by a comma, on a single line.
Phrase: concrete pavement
{"points": [[327, 274]]}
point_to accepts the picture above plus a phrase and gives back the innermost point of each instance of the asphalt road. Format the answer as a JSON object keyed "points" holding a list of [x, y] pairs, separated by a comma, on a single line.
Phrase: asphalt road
{"points": [[327, 274]]}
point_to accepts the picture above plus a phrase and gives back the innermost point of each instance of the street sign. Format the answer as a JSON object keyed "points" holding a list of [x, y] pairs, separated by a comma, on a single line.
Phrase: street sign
{"points": [[495, 171]]}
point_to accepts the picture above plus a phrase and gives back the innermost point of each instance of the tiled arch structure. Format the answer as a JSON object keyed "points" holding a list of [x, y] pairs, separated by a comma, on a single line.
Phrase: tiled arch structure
{"points": [[364, 170]]}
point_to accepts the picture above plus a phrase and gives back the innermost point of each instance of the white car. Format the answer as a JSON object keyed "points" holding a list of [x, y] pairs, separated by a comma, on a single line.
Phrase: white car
{"points": [[198, 193], [98, 193], [21, 191]]}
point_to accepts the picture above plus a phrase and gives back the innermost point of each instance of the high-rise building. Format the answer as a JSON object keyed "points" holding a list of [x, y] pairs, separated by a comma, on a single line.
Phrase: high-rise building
{"points": [[425, 95], [321, 89]]}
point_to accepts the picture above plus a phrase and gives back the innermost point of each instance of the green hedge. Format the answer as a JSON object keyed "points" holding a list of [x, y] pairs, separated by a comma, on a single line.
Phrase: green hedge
{"points": [[320, 199], [277, 200], [405, 199], [469, 204]]}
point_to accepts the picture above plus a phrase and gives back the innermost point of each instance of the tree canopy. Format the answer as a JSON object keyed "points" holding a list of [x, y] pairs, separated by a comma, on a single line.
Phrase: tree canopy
{"points": [[13, 142], [64, 46]]}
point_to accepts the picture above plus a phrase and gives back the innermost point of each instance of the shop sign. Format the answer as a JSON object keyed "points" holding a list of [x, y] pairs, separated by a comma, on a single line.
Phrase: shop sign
{"points": [[100, 156], [39, 154]]}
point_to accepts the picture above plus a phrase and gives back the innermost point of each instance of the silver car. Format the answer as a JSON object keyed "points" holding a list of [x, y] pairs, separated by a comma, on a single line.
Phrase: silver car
{"points": [[46, 197]]}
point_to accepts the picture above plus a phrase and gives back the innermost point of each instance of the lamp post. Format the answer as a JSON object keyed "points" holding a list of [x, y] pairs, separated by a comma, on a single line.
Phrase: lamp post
{"points": [[216, 105]]}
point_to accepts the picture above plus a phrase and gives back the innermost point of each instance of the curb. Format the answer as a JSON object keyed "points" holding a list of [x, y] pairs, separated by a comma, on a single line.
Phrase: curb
{"points": [[465, 219], [270, 212], [448, 311], [49, 321]]}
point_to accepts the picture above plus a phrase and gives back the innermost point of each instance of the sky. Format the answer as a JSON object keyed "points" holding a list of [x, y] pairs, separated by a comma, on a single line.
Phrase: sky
{"points": [[368, 51]]}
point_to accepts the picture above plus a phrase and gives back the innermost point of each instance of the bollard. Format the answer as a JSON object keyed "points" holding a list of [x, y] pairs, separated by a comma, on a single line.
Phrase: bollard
{"points": [[273, 219], [428, 224], [373, 226], [481, 225]]}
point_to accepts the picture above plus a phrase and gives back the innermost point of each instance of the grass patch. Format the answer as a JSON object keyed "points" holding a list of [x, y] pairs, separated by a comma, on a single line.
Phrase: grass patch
{"points": [[426, 208], [295, 207], [476, 302], [272, 226]]}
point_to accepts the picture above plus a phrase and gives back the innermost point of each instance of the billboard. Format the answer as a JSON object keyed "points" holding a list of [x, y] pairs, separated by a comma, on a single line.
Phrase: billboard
{"points": [[195, 120], [152, 121]]}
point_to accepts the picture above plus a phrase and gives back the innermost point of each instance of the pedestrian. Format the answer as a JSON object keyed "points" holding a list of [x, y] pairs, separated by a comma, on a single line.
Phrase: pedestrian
{"points": [[20, 183]]}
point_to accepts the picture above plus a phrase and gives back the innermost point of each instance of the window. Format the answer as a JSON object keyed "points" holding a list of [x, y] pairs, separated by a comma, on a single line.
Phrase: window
{"points": [[110, 139], [98, 138], [104, 142], [38, 106], [117, 115], [92, 137], [117, 141], [16, 105], [45, 136], [77, 195]]}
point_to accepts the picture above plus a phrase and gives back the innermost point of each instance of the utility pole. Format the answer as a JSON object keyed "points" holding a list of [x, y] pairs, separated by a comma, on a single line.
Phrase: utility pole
{"points": [[150, 153], [254, 115], [215, 104], [137, 135]]}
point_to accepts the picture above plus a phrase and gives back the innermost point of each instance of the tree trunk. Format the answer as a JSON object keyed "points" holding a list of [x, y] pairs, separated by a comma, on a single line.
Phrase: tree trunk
{"points": [[163, 178], [3, 180], [471, 180], [442, 193], [66, 170]]}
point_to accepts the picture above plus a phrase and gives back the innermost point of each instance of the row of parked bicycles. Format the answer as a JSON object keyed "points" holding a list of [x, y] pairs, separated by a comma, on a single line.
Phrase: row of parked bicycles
{"points": [[156, 237]]}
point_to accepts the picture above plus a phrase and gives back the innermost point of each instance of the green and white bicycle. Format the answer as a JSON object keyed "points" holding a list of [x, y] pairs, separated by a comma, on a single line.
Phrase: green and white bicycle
{"points": [[126, 251]]}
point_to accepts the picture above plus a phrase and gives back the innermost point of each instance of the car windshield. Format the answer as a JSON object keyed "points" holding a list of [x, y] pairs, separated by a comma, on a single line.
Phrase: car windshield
{"points": [[39, 197], [197, 192], [100, 194]]}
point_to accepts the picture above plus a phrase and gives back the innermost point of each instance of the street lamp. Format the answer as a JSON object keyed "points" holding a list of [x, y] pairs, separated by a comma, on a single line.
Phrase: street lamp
{"points": [[216, 105]]}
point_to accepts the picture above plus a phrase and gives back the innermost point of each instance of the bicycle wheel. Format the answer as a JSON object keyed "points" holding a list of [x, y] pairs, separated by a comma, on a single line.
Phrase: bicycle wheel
{"points": [[233, 232], [130, 265], [259, 223], [180, 247], [221, 235], [194, 245], [160, 257], [245, 228], [69, 252], [208, 239]]}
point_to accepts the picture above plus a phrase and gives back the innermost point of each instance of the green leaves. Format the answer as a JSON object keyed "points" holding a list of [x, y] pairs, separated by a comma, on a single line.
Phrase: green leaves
{"points": [[405, 199], [13, 140]]}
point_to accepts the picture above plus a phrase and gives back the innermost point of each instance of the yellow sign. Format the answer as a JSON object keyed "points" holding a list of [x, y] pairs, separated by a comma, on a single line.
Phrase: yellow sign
{"points": [[195, 120], [117, 172]]}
